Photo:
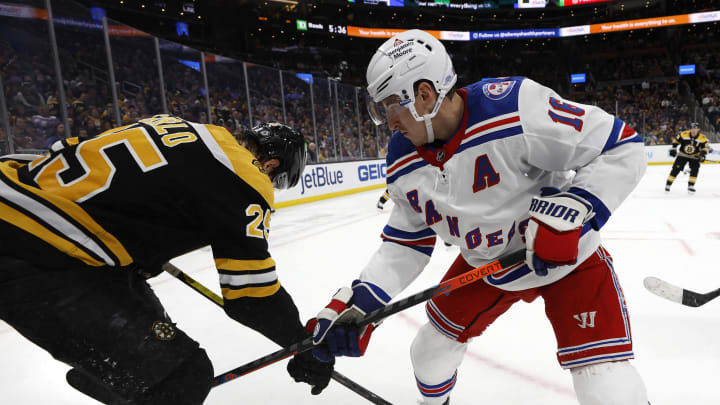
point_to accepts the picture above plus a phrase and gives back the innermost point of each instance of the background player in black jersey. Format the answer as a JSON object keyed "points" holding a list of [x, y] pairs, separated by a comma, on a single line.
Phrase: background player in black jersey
{"points": [[383, 199], [84, 226], [688, 147]]}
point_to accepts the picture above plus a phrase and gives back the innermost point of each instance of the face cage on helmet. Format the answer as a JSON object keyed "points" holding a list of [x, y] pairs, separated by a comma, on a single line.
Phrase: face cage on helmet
{"points": [[280, 181], [284, 179]]}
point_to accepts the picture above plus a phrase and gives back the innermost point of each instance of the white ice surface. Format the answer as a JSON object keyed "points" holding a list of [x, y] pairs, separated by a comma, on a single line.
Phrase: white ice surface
{"points": [[321, 246]]}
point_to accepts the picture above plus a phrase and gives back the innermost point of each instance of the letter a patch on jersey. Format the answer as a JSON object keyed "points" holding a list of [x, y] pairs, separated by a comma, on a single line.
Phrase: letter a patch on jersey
{"points": [[499, 90]]}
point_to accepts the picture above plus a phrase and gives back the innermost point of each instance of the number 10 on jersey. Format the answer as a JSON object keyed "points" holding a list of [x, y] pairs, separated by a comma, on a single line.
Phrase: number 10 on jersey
{"points": [[566, 109]]}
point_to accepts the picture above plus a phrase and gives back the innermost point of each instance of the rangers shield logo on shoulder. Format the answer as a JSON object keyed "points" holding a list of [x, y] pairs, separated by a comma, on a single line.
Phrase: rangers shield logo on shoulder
{"points": [[498, 90]]}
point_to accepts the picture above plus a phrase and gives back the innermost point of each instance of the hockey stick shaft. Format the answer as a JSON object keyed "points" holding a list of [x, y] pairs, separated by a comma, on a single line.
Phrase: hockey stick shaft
{"points": [[192, 283], [442, 288], [677, 294], [210, 295]]}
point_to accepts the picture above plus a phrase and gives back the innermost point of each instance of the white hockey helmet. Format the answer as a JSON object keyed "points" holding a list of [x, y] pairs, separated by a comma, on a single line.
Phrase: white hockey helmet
{"points": [[399, 63]]}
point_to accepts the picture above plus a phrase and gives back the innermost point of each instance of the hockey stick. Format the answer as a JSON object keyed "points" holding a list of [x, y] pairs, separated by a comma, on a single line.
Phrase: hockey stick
{"points": [[680, 295], [443, 288], [207, 293]]}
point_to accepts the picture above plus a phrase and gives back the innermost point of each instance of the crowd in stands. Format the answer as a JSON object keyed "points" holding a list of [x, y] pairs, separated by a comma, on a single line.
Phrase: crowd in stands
{"points": [[36, 121], [637, 83], [706, 83]]}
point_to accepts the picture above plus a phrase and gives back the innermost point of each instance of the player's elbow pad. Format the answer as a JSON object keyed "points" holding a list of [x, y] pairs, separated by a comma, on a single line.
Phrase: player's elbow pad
{"points": [[276, 316]]}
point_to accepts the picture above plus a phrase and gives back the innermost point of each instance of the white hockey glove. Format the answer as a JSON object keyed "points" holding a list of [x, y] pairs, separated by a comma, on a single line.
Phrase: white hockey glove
{"points": [[553, 233], [335, 322]]}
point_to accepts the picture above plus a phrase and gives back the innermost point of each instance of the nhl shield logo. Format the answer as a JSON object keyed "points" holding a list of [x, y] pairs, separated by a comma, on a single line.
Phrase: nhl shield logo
{"points": [[397, 42], [440, 155], [498, 90]]}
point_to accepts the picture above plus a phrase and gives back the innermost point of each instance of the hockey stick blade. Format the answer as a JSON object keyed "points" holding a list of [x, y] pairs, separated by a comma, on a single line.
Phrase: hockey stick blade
{"points": [[360, 390], [677, 294], [443, 288]]}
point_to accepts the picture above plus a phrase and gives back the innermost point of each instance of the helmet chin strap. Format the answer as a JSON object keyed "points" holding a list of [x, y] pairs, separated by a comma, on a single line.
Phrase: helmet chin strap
{"points": [[429, 128]]}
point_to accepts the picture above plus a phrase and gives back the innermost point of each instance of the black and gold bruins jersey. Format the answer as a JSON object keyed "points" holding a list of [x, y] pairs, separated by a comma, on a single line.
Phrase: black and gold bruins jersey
{"points": [[141, 195], [689, 146]]}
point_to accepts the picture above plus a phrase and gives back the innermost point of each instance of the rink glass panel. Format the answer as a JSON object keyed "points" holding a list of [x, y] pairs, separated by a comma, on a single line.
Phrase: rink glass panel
{"points": [[347, 122], [324, 119], [84, 65], [228, 96], [265, 94], [329, 113], [299, 105], [368, 130], [184, 89], [136, 72], [29, 82]]}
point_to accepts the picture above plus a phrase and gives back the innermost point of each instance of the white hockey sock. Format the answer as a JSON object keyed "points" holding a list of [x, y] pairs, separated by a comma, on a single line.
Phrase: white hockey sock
{"points": [[613, 383], [435, 359]]}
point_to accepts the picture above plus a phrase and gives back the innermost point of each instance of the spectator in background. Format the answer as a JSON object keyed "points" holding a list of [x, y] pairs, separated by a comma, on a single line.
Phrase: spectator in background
{"points": [[20, 129], [106, 126], [4, 149], [94, 118], [28, 96], [58, 135], [43, 122], [71, 126], [312, 152]]}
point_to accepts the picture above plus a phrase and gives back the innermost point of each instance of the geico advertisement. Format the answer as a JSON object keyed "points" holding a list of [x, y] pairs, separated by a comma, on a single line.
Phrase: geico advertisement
{"points": [[329, 178]]}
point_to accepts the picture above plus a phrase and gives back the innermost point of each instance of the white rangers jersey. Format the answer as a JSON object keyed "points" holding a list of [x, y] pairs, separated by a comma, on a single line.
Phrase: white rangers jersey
{"points": [[474, 191]]}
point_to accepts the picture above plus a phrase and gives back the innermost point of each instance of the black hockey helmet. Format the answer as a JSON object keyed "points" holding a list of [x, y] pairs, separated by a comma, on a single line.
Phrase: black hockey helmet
{"points": [[278, 141]]}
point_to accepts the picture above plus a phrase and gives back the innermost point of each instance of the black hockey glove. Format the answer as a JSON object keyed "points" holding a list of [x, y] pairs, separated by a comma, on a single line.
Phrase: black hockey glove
{"points": [[672, 152], [702, 158], [306, 368]]}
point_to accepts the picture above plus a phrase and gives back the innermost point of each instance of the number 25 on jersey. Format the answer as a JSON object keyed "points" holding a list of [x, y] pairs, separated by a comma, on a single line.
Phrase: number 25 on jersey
{"points": [[89, 170]]}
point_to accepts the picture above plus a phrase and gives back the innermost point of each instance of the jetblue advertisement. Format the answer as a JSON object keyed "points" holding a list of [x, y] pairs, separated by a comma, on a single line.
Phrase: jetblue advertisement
{"points": [[320, 181]]}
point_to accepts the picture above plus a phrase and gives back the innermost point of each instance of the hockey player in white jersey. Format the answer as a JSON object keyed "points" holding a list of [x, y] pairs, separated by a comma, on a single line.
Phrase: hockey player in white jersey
{"points": [[500, 165]]}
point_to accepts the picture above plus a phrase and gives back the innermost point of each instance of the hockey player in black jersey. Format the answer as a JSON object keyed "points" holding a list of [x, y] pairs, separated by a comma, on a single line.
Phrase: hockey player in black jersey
{"points": [[688, 147], [383, 199], [83, 227]]}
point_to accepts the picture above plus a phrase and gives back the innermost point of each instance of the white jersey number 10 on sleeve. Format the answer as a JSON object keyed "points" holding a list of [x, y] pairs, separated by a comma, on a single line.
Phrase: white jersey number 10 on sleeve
{"points": [[566, 108]]}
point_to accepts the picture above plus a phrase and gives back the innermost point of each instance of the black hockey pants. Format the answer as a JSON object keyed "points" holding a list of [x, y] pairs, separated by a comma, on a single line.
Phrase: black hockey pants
{"points": [[108, 324], [680, 162]]}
